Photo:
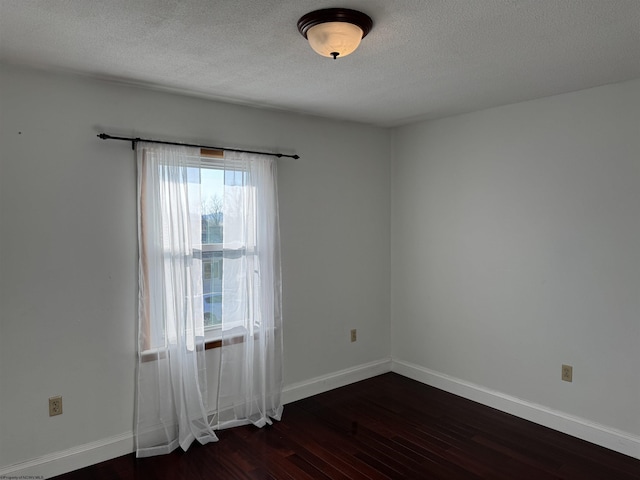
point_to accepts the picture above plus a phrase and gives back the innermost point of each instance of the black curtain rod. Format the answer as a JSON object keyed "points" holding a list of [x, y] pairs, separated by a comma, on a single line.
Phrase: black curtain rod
{"points": [[133, 141]]}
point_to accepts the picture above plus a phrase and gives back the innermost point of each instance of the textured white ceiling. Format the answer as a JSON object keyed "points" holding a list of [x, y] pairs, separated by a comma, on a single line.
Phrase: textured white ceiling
{"points": [[423, 59]]}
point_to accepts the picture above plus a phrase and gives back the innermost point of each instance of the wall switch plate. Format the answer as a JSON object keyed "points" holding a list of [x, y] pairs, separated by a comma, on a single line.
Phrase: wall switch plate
{"points": [[354, 335], [567, 373], [55, 406]]}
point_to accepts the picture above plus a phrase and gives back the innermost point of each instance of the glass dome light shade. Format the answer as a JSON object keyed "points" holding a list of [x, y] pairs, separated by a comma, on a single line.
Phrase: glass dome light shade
{"points": [[331, 38]]}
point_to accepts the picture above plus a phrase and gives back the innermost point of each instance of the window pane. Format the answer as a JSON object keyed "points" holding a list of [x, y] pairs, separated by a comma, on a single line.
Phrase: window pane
{"points": [[212, 288]]}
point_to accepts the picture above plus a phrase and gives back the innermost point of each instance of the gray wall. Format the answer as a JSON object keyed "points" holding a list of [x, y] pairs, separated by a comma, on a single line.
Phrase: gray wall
{"points": [[68, 258], [516, 248]]}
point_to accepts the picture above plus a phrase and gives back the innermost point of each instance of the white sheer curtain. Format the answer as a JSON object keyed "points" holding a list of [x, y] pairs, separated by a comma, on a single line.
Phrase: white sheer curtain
{"points": [[172, 380], [251, 359], [172, 388]]}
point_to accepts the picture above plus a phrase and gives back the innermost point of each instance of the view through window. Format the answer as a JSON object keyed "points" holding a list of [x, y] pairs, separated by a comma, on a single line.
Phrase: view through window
{"points": [[211, 194]]}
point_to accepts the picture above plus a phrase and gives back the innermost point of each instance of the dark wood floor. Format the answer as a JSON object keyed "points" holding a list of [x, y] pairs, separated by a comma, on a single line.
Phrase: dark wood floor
{"points": [[381, 428]]}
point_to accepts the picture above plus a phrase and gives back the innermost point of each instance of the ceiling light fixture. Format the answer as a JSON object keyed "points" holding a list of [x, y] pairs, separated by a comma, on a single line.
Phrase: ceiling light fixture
{"points": [[334, 32]]}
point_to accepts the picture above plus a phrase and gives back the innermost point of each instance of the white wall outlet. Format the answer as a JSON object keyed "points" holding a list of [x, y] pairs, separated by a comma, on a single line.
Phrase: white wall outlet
{"points": [[567, 373]]}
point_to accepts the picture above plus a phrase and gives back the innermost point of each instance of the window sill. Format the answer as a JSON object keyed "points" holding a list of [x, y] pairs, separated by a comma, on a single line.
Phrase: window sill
{"points": [[209, 344], [213, 343], [230, 340]]}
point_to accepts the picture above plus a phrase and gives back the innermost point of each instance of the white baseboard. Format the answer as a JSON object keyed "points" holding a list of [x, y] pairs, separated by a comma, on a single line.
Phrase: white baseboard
{"points": [[324, 383], [66, 461], [602, 435]]}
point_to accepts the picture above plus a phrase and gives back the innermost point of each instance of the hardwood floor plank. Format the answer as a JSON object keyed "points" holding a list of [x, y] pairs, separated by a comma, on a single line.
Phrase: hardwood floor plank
{"points": [[332, 442]]}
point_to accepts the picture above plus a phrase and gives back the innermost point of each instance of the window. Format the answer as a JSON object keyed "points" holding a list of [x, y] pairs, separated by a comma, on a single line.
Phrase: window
{"points": [[209, 178], [199, 221], [203, 188]]}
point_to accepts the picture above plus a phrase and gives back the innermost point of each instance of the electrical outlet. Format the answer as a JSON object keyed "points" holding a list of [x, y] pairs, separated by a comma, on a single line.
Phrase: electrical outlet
{"points": [[55, 406], [567, 373], [354, 335]]}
